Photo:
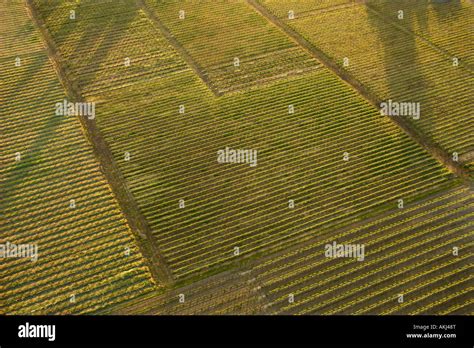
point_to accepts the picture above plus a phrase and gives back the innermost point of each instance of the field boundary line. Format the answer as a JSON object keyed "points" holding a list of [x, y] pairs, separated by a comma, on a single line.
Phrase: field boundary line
{"points": [[117, 184], [177, 46], [419, 137]]}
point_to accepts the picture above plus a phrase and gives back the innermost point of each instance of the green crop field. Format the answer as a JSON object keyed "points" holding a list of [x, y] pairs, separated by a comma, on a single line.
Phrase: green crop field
{"points": [[87, 257], [296, 162], [231, 143], [264, 54], [405, 60]]}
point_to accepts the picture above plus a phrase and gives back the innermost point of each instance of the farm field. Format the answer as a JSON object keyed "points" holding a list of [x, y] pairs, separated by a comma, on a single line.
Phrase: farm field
{"points": [[409, 59], [204, 233], [231, 143], [403, 247], [54, 195], [407, 251], [263, 55]]}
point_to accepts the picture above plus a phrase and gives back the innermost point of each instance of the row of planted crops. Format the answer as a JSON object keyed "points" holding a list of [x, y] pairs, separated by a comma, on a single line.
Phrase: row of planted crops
{"points": [[421, 252], [320, 145], [54, 197], [406, 52]]}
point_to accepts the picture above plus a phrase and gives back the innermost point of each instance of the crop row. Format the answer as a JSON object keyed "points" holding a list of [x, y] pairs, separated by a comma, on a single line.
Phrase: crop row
{"points": [[54, 195], [416, 237], [246, 49], [401, 66]]}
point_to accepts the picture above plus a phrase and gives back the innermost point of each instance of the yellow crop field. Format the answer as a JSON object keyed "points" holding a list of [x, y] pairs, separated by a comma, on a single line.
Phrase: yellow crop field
{"points": [[54, 197]]}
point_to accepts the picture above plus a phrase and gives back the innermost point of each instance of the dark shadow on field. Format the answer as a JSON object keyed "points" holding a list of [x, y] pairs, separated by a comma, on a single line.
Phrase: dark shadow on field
{"points": [[19, 171], [18, 92], [403, 74], [406, 75], [111, 31], [445, 9], [447, 12], [100, 29], [102, 39], [31, 65]]}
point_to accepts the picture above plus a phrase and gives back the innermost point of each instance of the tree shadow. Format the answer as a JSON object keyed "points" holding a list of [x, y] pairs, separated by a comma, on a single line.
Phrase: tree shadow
{"points": [[444, 9], [100, 36], [99, 41], [404, 77], [101, 26], [32, 156]]}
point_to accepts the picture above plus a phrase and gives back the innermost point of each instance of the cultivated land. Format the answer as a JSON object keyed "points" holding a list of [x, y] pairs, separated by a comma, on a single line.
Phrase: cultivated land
{"points": [[216, 34], [409, 59], [228, 206], [232, 238], [410, 253], [82, 249]]}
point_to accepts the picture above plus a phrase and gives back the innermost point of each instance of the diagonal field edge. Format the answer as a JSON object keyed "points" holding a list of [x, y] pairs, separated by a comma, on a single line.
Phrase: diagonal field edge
{"points": [[108, 167], [435, 150], [178, 47]]}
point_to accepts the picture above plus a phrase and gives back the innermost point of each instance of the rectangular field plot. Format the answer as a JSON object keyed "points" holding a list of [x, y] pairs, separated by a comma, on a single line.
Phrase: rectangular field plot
{"points": [[319, 144], [233, 46], [54, 197]]}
